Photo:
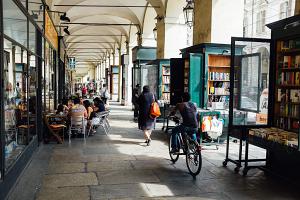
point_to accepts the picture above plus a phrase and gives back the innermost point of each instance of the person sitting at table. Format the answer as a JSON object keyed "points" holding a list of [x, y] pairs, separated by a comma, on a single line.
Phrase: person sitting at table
{"points": [[98, 105], [65, 104], [60, 109], [70, 104], [89, 109], [77, 109]]}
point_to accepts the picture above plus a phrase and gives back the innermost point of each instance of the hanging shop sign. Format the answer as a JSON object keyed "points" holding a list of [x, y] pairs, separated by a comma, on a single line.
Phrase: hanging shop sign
{"points": [[50, 31], [72, 62]]}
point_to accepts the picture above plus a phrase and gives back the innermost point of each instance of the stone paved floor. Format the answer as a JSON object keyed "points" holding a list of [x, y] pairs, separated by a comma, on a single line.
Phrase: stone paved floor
{"points": [[121, 166]]}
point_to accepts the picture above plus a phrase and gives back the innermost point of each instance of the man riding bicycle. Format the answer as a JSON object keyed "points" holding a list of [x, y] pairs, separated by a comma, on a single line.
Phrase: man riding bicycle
{"points": [[188, 111]]}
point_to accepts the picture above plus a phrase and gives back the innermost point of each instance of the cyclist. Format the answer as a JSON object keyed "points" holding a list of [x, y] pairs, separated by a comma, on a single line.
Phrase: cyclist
{"points": [[188, 111]]}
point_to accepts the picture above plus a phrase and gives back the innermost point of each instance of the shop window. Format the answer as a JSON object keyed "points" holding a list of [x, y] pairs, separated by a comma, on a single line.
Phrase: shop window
{"points": [[35, 9], [19, 117], [284, 10], [15, 22], [261, 22], [48, 78], [23, 2], [32, 37]]}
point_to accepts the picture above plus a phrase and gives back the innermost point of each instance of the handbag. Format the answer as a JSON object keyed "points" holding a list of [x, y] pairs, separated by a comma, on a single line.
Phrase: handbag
{"points": [[154, 109]]}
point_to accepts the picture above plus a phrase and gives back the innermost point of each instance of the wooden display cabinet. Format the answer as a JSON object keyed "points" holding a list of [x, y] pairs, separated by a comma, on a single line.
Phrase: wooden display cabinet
{"points": [[218, 81]]}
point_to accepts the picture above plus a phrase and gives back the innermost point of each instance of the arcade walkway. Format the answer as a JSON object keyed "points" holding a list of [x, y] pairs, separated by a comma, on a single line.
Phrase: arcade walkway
{"points": [[120, 166]]}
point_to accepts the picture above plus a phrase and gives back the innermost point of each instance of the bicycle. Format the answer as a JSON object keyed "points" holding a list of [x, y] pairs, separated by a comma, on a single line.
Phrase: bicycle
{"points": [[188, 147]]}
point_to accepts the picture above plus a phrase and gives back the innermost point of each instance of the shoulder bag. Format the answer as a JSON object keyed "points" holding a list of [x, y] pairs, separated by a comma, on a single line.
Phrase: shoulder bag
{"points": [[154, 109]]}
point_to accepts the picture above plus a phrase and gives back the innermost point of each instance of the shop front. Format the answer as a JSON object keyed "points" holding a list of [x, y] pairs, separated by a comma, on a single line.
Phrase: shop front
{"points": [[50, 83], [29, 69], [21, 59]]}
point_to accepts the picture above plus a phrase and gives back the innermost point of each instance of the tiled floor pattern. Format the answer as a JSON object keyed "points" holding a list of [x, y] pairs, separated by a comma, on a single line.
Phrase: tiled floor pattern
{"points": [[121, 166]]}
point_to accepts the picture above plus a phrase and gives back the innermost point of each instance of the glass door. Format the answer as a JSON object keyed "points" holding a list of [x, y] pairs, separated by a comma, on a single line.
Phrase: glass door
{"points": [[249, 82]]}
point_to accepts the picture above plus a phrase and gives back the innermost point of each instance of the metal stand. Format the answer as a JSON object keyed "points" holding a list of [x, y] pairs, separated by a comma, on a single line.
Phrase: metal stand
{"points": [[244, 136], [166, 127]]}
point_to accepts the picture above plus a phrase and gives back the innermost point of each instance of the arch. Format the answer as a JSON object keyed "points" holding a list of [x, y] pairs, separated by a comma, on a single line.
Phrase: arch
{"points": [[148, 25], [175, 23]]}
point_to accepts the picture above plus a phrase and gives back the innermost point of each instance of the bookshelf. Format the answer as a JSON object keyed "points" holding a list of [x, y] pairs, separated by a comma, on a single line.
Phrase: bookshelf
{"points": [[218, 81], [166, 75], [287, 88], [186, 75]]}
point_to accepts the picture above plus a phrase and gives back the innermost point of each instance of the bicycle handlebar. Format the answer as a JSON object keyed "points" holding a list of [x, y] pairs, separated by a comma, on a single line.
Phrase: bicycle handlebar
{"points": [[175, 119]]}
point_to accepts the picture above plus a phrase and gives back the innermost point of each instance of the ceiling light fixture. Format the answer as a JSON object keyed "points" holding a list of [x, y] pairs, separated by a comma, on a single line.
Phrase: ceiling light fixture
{"points": [[188, 11], [66, 30], [64, 17], [155, 33]]}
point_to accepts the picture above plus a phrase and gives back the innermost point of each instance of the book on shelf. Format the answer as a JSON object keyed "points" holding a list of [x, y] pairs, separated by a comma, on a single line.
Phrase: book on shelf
{"points": [[166, 70], [297, 61], [290, 44], [166, 88], [287, 78], [287, 61], [295, 96], [282, 95], [186, 74], [220, 88], [285, 46], [278, 95], [166, 97], [186, 89], [219, 76], [212, 90], [166, 79], [297, 78]]}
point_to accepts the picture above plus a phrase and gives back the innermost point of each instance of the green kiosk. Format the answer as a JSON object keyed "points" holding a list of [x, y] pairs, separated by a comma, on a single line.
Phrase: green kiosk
{"points": [[204, 72]]}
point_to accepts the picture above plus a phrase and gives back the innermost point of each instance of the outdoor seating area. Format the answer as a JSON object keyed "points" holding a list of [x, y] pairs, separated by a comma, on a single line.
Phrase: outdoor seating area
{"points": [[61, 126]]}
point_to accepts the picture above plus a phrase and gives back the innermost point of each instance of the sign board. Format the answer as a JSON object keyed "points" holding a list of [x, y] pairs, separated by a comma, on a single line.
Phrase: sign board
{"points": [[50, 31], [72, 62]]}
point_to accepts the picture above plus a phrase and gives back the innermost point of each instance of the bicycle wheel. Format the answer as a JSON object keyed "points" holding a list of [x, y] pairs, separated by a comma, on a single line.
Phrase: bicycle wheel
{"points": [[193, 158], [174, 157]]}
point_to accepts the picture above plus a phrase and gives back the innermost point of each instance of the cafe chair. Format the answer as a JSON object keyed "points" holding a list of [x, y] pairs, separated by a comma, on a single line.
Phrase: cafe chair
{"points": [[56, 130], [100, 121], [78, 124]]}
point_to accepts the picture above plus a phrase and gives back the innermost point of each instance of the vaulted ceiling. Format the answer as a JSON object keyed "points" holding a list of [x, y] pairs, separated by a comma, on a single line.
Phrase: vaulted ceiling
{"points": [[99, 27]]}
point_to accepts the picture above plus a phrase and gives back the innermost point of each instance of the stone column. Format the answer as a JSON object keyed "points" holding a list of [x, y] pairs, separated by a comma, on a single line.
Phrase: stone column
{"points": [[114, 58], [120, 76], [139, 39], [202, 21], [161, 29], [297, 7]]}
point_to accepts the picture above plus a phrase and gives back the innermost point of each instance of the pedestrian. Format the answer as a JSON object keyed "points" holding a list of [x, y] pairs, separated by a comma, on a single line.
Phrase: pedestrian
{"points": [[104, 94], [135, 96], [84, 91], [145, 121]]}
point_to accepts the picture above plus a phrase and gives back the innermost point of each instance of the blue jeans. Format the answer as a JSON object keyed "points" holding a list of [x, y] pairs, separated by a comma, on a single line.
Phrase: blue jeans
{"points": [[181, 129]]}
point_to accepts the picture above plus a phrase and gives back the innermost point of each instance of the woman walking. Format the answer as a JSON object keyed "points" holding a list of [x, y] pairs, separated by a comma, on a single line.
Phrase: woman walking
{"points": [[146, 123]]}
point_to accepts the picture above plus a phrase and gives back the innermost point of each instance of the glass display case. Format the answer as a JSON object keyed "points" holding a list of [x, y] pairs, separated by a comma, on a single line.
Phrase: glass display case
{"points": [[158, 78], [250, 83], [141, 55]]}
